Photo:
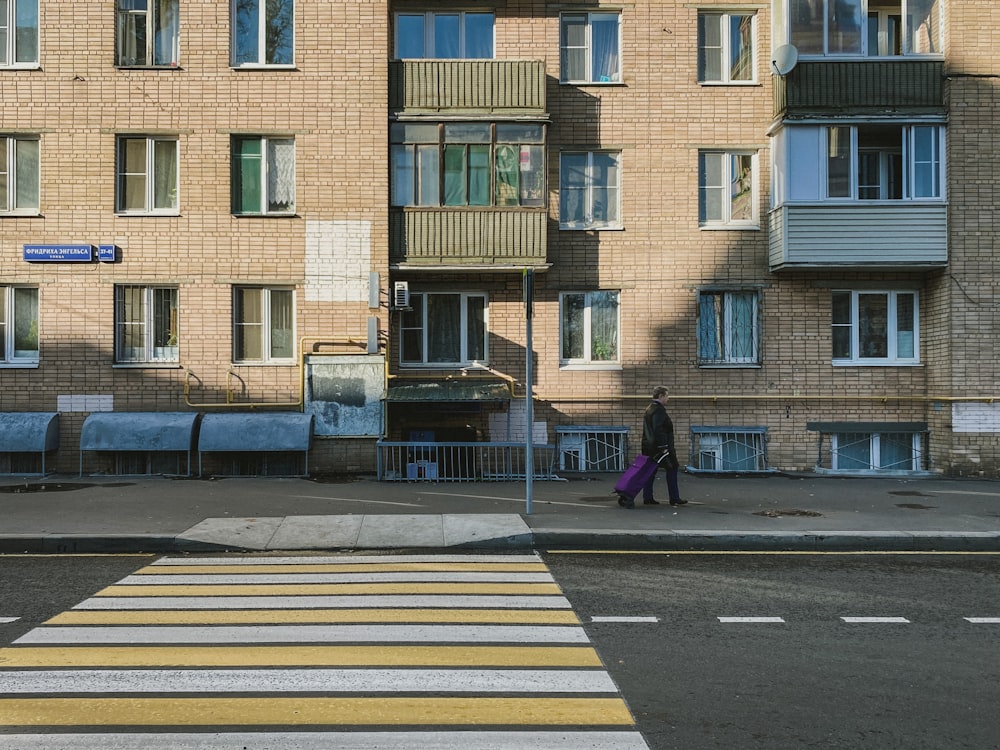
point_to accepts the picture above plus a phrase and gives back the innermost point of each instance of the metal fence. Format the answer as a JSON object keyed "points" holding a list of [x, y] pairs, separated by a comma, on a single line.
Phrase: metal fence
{"points": [[461, 462]]}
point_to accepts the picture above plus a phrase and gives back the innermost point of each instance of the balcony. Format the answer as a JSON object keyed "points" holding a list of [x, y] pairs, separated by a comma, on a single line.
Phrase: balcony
{"points": [[468, 238], [504, 87], [831, 88], [905, 236]]}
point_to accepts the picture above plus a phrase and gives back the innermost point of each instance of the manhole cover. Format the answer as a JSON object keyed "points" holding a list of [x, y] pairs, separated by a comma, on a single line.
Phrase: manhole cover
{"points": [[915, 506], [789, 512]]}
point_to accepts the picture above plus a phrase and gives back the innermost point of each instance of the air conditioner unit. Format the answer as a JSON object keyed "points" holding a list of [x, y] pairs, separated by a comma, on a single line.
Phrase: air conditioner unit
{"points": [[401, 294]]}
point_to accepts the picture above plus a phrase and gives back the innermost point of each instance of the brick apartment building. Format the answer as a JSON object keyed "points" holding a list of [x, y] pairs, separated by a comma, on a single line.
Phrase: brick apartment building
{"points": [[292, 237]]}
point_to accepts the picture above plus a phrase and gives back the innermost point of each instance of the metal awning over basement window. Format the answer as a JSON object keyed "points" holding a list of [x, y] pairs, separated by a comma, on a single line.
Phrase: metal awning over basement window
{"points": [[447, 390], [276, 431], [29, 432], [138, 431]]}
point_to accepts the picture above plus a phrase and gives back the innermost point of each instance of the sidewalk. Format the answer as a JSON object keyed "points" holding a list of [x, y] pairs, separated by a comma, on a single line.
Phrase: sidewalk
{"points": [[66, 514]]}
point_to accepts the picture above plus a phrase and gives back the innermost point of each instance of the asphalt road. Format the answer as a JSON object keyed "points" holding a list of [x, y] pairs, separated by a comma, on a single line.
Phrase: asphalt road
{"points": [[926, 678], [733, 651]]}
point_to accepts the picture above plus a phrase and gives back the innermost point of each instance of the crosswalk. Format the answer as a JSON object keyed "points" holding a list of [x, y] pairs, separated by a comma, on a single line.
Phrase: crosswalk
{"points": [[453, 652]]}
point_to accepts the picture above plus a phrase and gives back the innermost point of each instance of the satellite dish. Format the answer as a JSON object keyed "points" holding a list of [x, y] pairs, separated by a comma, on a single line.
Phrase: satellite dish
{"points": [[784, 59]]}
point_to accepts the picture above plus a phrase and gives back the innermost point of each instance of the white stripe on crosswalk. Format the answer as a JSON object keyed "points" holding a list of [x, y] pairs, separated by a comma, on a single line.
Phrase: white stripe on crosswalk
{"points": [[250, 578], [862, 620], [431, 740], [9, 619], [984, 620], [350, 601], [373, 633], [363, 681], [346, 560], [752, 619]]}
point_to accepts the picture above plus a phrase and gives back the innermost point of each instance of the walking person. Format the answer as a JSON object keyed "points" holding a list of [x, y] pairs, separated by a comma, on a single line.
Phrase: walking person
{"points": [[657, 437]]}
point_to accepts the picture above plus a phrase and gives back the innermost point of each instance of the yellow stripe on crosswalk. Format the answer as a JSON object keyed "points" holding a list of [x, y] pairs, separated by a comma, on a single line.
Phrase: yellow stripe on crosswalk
{"points": [[296, 656], [387, 567], [217, 617], [329, 589], [301, 711]]}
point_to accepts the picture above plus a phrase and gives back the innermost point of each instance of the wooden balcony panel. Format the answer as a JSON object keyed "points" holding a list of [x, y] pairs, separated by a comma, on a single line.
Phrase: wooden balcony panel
{"points": [[467, 85], [468, 237]]}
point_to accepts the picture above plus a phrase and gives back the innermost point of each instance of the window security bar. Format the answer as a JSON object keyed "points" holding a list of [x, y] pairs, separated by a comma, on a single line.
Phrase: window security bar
{"points": [[461, 462], [729, 449]]}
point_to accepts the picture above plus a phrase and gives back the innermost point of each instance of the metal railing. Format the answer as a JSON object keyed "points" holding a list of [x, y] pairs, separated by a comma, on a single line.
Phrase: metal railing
{"points": [[461, 462]]}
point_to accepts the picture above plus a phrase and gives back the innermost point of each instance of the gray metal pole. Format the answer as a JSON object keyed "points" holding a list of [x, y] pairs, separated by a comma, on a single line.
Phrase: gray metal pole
{"points": [[529, 410]]}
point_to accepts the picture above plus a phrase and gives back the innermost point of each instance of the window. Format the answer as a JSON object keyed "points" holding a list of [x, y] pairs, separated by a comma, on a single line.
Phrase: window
{"points": [[589, 190], [444, 35], [725, 449], [884, 162], [263, 32], [263, 325], [875, 451], [443, 329], [725, 47], [468, 164], [866, 27], [147, 175], [728, 327], [18, 325], [145, 324], [589, 324], [19, 175], [263, 180], [148, 33], [727, 191], [872, 327], [589, 47], [19, 33]]}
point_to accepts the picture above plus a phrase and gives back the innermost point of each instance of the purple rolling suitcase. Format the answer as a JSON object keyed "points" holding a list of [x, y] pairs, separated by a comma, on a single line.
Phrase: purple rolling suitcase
{"points": [[635, 477]]}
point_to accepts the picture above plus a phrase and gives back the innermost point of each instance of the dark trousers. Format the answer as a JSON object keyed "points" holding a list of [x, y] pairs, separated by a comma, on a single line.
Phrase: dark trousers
{"points": [[673, 491]]}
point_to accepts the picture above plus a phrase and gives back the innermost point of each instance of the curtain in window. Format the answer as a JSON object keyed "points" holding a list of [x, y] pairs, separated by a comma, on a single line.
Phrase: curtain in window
{"points": [[282, 324], [573, 307], [926, 162], [166, 23], [507, 161], [854, 451], [249, 324], [164, 317], [165, 174], [26, 167], [25, 322], [604, 326], [428, 161], [446, 36], [479, 36], [4, 174], [130, 317], [743, 311], [604, 193], [604, 47], [710, 187], [806, 19], [475, 329], [741, 188], [444, 329], [709, 47], [281, 174], [132, 174], [873, 325], [906, 325], [710, 327], [844, 36], [403, 171], [573, 48], [573, 189], [454, 175], [410, 36], [3, 323]]}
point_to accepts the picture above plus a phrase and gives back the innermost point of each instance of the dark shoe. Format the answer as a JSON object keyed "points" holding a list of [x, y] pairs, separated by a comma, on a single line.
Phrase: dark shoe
{"points": [[678, 502], [625, 502], [651, 501]]}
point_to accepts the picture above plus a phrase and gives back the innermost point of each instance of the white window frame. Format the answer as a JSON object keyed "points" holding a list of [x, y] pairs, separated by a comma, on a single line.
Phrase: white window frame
{"points": [[866, 13], [588, 189], [909, 164], [261, 36], [12, 172], [587, 49], [892, 331], [875, 454], [9, 356], [141, 328], [724, 327], [419, 302], [724, 52], [429, 30], [158, 39], [588, 360], [266, 326], [149, 175], [11, 50], [726, 190], [266, 167]]}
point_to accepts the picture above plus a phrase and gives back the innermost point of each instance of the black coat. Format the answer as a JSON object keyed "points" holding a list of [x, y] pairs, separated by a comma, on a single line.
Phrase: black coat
{"points": [[657, 430]]}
